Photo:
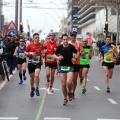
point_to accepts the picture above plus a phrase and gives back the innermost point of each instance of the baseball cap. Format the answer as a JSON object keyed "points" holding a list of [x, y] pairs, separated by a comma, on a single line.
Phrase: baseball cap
{"points": [[73, 33], [52, 34]]}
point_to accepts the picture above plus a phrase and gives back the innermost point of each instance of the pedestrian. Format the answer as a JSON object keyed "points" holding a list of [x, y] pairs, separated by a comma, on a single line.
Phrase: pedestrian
{"points": [[34, 52], [108, 51], [64, 54], [21, 59]]}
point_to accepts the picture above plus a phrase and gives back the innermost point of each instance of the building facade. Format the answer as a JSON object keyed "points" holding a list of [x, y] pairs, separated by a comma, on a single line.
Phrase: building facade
{"points": [[72, 19], [87, 15]]}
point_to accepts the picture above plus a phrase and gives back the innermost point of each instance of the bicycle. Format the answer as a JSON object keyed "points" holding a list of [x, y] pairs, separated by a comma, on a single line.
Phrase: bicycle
{"points": [[4, 70]]}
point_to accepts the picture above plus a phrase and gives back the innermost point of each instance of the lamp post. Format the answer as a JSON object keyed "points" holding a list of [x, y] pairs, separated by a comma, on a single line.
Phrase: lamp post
{"points": [[16, 13]]}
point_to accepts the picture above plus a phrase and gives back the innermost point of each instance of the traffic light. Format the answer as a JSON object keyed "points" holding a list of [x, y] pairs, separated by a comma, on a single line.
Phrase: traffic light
{"points": [[106, 26], [21, 27]]}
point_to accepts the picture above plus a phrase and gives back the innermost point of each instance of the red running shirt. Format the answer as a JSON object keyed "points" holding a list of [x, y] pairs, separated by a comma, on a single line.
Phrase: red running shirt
{"points": [[50, 51]]}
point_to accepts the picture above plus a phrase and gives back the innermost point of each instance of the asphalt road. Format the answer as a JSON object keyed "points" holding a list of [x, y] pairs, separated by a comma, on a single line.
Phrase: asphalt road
{"points": [[96, 104]]}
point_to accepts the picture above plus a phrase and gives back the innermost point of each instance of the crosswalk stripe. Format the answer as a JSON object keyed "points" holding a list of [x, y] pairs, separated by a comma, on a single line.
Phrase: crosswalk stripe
{"points": [[8, 118], [57, 118], [112, 101]]}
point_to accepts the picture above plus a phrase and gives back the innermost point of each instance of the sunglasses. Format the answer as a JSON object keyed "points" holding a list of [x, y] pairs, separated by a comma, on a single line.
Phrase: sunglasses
{"points": [[21, 41], [36, 37]]}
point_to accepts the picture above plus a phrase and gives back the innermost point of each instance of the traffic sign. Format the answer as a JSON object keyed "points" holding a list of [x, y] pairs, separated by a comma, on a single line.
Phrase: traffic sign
{"points": [[11, 32], [12, 26]]}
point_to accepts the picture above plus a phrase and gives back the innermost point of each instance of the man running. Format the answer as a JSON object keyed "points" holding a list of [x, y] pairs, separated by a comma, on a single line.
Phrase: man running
{"points": [[50, 62], [76, 63], [85, 62], [109, 53], [21, 59], [64, 54], [34, 51]]}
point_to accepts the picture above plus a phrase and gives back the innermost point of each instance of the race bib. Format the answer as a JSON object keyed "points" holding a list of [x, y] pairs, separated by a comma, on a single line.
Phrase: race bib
{"points": [[65, 68], [21, 55], [108, 60], [50, 57], [36, 59]]}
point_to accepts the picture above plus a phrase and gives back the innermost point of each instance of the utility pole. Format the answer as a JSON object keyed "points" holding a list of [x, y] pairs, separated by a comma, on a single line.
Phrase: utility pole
{"points": [[106, 31], [16, 14], [20, 10], [1, 16]]}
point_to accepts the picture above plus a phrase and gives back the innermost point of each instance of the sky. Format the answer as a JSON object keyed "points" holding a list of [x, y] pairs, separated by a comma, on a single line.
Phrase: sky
{"points": [[38, 19]]}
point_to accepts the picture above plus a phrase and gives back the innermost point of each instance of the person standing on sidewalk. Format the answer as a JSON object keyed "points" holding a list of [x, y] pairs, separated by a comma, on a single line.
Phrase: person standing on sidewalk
{"points": [[34, 52], [109, 54]]}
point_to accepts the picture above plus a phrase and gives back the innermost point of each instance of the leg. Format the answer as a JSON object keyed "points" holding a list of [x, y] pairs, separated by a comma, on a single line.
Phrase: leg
{"points": [[63, 82], [20, 73], [47, 76], [52, 77], [80, 76], [85, 72], [24, 70]]}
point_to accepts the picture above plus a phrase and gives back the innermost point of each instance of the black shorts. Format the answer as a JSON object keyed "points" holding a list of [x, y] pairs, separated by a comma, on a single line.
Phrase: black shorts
{"points": [[51, 65], [76, 68], [21, 61], [109, 65], [84, 66], [33, 66]]}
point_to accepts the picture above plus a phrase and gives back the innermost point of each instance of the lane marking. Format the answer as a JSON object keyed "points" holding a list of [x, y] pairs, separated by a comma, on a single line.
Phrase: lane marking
{"points": [[41, 106], [8, 118], [97, 88], [112, 101], [5, 81], [106, 119], [47, 118], [87, 79]]}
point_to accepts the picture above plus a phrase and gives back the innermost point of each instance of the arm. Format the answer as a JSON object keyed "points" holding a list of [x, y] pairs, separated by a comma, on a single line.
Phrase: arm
{"points": [[82, 52], [91, 53], [16, 52]]}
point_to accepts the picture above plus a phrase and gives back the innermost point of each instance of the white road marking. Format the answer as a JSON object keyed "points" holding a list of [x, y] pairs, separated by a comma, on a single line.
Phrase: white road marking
{"points": [[112, 101], [8, 118], [87, 79], [97, 88], [57, 118], [5, 81], [106, 119]]}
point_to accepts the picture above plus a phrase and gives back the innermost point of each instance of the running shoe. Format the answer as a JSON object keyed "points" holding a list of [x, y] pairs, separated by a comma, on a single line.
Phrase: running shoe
{"points": [[32, 92], [24, 77], [83, 90], [21, 82], [37, 92], [65, 102], [47, 84], [108, 90], [50, 89], [80, 82], [70, 96]]}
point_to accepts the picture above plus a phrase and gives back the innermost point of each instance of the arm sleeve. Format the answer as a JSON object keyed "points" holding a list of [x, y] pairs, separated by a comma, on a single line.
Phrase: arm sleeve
{"points": [[57, 52]]}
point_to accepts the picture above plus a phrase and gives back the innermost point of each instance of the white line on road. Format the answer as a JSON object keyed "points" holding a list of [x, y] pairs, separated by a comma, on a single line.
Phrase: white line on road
{"points": [[97, 88], [107, 119], [112, 101], [8, 118], [87, 80], [57, 118], [5, 81]]}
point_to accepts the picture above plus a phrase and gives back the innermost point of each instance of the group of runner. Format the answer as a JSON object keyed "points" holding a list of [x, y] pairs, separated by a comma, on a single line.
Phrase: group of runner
{"points": [[70, 57]]}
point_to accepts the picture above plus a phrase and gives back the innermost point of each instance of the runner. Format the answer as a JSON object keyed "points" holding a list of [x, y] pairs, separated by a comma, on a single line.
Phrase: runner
{"points": [[85, 62], [34, 51], [64, 54], [108, 51], [21, 59], [79, 48], [50, 62]]}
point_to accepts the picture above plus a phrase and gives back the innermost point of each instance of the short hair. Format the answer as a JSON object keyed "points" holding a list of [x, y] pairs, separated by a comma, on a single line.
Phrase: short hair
{"points": [[108, 37], [35, 34], [64, 35]]}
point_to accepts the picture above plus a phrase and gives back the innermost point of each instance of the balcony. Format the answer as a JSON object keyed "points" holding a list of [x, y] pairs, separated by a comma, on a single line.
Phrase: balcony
{"points": [[89, 16], [86, 23], [89, 10]]}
